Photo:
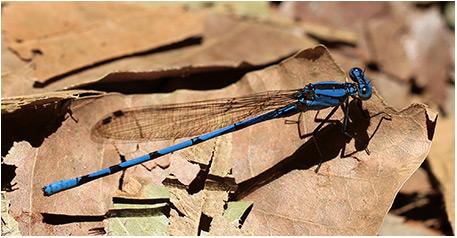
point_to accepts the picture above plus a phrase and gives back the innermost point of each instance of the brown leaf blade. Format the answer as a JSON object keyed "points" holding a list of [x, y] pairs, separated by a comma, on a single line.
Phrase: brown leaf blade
{"points": [[270, 156], [99, 40], [225, 46], [348, 196], [228, 44], [442, 163]]}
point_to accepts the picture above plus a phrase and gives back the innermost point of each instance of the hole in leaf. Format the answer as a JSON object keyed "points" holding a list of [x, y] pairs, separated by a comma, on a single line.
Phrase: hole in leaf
{"points": [[205, 222], [37, 52]]}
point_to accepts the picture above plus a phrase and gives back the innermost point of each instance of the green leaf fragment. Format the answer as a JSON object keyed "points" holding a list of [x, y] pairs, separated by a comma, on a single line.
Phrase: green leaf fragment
{"points": [[138, 226], [235, 210], [140, 216], [153, 191], [9, 225]]}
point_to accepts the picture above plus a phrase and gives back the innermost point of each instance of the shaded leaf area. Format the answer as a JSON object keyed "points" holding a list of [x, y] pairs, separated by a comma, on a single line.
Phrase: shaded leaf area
{"points": [[271, 163], [34, 117]]}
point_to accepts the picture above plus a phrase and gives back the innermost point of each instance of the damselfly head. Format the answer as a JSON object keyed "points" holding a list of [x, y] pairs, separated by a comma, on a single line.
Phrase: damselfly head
{"points": [[363, 85]]}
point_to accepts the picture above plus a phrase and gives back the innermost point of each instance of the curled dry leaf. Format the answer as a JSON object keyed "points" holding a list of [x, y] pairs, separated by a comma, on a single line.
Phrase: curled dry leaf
{"points": [[11, 104], [273, 166]]}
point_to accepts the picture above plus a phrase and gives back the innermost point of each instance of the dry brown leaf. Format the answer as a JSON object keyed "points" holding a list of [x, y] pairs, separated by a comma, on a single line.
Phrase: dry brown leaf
{"points": [[429, 45], [200, 154], [330, 34], [398, 226], [396, 93], [184, 171], [418, 183], [191, 207], [221, 164], [449, 104], [254, 151], [66, 18], [214, 202], [340, 14], [28, 203], [133, 188], [348, 196], [11, 104], [403, 41], [351, 16], [308, 66], [442, 163], [94, 40], [220, 226], [388, 47], [228, 43], [10, 61], [375, 25]]}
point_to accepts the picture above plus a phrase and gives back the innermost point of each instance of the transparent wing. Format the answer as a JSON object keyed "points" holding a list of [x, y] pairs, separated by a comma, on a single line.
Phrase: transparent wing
{"points": [[188, 119]]}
